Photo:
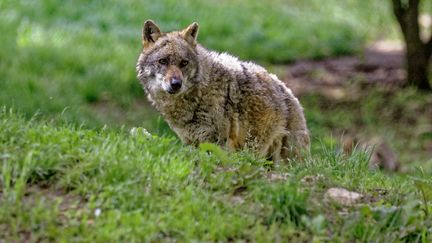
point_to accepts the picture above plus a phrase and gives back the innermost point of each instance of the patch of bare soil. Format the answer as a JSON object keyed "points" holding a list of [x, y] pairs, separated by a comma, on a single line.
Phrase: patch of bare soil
{"points": [[342, 77], [51, 195], [67, 203]]}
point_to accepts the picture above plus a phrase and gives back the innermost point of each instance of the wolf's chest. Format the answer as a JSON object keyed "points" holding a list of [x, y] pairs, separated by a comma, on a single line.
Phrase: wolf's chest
{"points": [[197, 120], [193, 112]]}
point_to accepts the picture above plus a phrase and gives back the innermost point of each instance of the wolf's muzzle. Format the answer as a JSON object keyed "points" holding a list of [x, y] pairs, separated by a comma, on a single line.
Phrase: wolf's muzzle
{"points": [[175, 85]]}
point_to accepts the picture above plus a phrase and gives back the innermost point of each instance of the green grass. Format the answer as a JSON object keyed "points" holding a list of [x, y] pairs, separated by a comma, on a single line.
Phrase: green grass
{"points": [[121, 186]]}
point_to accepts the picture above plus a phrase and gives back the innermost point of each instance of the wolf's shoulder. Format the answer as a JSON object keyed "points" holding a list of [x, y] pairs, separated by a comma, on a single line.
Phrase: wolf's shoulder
{"points": [[230, 62]]}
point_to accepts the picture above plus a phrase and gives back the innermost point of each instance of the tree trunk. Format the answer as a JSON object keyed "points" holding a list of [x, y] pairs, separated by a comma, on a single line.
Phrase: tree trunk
{"points": [[417, 61], [417, 52]]}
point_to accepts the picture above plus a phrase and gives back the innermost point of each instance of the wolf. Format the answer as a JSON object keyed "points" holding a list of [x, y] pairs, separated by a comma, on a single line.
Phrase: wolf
{"points": [[206, 96]]}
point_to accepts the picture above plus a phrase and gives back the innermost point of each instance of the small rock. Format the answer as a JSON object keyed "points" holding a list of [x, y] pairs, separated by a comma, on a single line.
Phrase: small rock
{"points": [[311, 179], [237, 200], [277, 176], [343, 196], [384, 157]]}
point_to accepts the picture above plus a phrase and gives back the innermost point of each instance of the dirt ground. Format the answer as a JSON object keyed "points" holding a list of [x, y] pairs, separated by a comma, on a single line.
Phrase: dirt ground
{"points": [[381, 64]]}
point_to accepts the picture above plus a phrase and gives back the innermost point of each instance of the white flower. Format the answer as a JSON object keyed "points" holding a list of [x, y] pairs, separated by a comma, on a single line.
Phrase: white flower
{"points": [[97, 212], [137, 131]]}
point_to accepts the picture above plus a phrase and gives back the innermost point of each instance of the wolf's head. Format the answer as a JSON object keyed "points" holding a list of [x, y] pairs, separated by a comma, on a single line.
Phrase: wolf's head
{"points": [[168, 62]]}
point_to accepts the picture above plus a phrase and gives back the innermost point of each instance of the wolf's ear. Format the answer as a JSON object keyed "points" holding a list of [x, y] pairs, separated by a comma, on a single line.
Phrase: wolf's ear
{"points": [[150, 33], [191, 33]]}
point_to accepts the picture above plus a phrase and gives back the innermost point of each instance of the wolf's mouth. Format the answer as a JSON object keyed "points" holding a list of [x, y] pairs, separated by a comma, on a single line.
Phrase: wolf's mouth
{"points": [[171, 91]]}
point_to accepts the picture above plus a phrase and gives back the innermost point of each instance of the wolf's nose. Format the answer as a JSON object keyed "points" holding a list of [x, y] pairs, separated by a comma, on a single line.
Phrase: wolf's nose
{"points": [[175, 84]]}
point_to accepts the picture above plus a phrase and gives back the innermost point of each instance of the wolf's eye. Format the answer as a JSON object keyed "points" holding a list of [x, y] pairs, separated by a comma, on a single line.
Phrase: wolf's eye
{"points": [[184, 63], [163, 61]]}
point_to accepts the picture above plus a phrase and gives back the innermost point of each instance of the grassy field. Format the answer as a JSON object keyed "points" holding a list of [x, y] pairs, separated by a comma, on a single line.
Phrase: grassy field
{"points": [[73, 184], [72, 167]]}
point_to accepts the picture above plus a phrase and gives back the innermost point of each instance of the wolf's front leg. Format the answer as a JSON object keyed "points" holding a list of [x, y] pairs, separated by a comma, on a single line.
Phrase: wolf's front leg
{"points": [[196, 134]]}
